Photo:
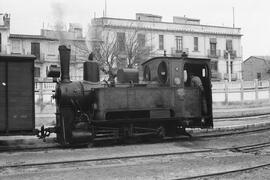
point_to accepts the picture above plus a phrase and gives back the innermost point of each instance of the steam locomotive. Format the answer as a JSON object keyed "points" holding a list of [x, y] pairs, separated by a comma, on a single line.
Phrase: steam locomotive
{"points": [[163, 104]]}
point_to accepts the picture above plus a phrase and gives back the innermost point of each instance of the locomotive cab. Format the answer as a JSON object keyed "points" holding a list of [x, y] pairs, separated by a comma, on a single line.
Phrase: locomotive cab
{"points": [[191, 105]]}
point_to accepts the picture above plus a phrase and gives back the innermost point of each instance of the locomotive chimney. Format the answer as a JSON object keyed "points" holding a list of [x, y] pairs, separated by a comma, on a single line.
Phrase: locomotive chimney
{"points": [[64, 62]]}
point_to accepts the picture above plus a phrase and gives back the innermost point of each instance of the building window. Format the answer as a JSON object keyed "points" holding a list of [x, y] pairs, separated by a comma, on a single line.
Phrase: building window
{"points": [[196, 43], [229, 46], [179, 43], [37, 72], [214, 66], [35, 49], [161, 42], [0, 42], [213, 49], [121, 40], [51, 48], [16, 46], [259, 76], [141, 40]]}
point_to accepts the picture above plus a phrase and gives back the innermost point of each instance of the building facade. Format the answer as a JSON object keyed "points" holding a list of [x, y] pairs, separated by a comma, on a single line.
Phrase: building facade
{"points": [[45, 47], [182, 35], [256, 67], [4, 33], [155, 36]]}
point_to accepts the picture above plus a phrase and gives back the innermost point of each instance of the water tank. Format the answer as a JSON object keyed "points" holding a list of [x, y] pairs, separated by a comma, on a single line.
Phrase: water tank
{"points": [[91, 71], [128, 75]]}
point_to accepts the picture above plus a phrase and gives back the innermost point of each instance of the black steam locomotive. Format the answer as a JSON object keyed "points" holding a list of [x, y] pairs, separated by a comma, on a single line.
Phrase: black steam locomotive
{"points": [[163, 104]]}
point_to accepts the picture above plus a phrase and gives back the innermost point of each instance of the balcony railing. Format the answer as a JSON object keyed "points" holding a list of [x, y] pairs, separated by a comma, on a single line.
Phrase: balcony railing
{"points": [[233, 76], [216, 76], [39, 59], [213, 53], [179, 52], [233, 54]]}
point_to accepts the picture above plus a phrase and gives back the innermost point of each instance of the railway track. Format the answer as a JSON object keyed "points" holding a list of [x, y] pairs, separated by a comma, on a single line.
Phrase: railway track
{"points": [[56, 146], [251, 148], [4, 147], [244, 149], [246, 118], [218, 174]]}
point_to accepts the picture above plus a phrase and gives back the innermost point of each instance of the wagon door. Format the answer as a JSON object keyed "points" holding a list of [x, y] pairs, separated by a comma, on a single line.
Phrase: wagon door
{"points": [[20, 96], [16, 94]]}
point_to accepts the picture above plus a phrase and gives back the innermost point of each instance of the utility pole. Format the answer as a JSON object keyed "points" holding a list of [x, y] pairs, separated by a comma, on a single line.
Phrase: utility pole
{"points": [[105, 14], [229, 66], [233, 18]]}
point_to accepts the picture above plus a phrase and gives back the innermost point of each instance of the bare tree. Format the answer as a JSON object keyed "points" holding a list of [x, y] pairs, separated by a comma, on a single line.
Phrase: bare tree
{"points": [[135, 48], [110, 50], [104, 48]]}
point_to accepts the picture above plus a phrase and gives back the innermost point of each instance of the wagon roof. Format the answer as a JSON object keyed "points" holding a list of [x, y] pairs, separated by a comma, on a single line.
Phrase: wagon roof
{"points": [[16, 57]]}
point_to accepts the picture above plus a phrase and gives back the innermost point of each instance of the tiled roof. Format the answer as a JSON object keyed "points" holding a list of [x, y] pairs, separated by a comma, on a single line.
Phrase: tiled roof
{"points": [[267, 58], [26, 36]]}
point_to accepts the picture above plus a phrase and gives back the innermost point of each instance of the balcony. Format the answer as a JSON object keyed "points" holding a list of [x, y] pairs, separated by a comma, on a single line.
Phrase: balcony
{"points": [[233, 76], [73, 58], [178, 52], [39, 59], [51, 58], [233, 54], [216, 76], [213, 53]]}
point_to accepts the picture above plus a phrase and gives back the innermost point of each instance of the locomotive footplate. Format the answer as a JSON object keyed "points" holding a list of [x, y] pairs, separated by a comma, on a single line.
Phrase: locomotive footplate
{"points": [[192, 122], [110, 133]]}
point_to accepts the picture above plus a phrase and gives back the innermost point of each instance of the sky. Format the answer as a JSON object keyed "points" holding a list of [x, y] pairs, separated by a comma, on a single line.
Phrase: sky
{"points": [[252, 16]]}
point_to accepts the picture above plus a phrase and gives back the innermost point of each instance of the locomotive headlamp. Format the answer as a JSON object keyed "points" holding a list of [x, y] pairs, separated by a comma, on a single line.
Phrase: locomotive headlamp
{"points": [[177, 80]]}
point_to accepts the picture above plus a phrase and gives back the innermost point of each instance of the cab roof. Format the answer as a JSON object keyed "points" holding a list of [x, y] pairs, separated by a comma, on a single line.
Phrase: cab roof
{"points": [[172, 58]]}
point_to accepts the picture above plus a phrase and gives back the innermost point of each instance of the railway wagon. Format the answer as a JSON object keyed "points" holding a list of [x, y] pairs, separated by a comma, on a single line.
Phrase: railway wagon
{"points": [[17, 106], [163, 104]]}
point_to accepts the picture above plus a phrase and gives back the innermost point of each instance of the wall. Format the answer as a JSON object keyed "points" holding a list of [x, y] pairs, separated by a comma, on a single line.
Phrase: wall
{"points": [[240, 93], [254, 65], [5, 31], [49, 55]]}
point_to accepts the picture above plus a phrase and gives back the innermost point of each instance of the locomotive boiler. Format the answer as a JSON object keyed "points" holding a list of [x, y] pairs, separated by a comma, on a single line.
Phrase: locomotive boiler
{"points": [[162, 104]]}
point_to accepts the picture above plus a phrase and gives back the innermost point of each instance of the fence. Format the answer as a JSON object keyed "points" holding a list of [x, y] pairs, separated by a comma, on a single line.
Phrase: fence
{"points": [[240, 92], [223, 92]]}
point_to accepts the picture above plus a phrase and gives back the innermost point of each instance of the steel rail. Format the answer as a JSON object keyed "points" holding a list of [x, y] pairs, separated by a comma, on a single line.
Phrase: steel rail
{"points": [[197, 135], [203, 135], [237, 118], [29, 165], [210, 134], [224, 172]]}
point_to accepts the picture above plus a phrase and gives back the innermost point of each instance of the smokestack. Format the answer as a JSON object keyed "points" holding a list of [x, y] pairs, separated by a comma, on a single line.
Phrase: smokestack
{"points": [[64, 62]]}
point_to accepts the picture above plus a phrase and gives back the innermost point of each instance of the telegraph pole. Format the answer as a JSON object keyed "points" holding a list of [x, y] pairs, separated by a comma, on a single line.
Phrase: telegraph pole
{"points": [[229, 66], [233, 18]]}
